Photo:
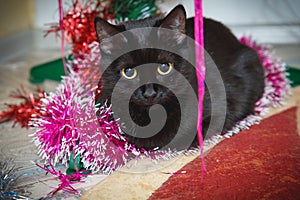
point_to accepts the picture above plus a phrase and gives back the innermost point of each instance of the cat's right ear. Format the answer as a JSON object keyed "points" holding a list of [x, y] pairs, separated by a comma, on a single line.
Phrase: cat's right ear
{"points": [[175, 21], [109, 36]]}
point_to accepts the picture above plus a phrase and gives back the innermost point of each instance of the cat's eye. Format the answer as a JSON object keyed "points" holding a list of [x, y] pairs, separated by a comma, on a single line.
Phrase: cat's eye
{"points": [[129, 73], [165, 68]]}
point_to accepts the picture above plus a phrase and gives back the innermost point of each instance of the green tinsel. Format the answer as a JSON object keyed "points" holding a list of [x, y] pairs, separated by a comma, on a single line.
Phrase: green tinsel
{"points": [[133, 9]]}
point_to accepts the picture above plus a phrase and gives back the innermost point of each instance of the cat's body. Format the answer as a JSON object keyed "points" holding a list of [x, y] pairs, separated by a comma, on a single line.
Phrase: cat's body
{"points": [[239, 66]]}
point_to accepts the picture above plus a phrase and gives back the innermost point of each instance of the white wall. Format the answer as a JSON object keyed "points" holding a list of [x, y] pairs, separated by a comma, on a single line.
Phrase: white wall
{"points": [[46, 12], [269, 21]]}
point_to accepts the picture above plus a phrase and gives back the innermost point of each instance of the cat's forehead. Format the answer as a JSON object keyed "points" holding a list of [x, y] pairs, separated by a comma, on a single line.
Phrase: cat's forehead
{"points": [[138, 34], [147, 22]]}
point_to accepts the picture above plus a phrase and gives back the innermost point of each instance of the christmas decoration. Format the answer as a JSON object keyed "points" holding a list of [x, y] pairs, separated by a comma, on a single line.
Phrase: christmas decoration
{"points": [[78, 21], [9, 181], [277, 88], [131, 10], [66, 180], [23, 112], [78, 24]]}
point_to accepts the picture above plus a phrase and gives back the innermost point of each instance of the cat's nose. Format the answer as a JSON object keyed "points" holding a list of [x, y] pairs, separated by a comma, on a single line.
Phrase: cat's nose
{"points": [[150, 92]]}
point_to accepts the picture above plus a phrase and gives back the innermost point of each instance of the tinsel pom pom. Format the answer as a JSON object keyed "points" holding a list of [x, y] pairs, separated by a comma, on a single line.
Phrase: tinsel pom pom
{"points": [[73, 123], [58, 134]]}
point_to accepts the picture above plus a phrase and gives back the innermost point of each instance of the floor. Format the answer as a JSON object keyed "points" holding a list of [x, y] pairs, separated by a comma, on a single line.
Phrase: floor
{"points": [[18, 55]]}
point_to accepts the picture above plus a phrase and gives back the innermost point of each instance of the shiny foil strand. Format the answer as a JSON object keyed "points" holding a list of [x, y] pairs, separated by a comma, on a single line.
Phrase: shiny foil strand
{"points": [[66, 181], [22, 113], [9, 181], [77, 24]]}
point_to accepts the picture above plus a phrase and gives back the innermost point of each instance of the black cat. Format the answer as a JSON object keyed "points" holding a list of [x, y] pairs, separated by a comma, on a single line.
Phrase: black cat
{"points": [[239, 66]]}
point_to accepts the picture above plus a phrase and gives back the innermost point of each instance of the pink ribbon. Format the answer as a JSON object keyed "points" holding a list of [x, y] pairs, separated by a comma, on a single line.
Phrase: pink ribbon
{"points": [[62, 31], [200, 71]]}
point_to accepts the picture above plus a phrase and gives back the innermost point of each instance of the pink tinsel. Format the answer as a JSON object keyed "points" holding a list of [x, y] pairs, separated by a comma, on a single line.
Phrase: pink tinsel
{"points": [[277, 86], [57, 135], [74, 124], [66, 181]]}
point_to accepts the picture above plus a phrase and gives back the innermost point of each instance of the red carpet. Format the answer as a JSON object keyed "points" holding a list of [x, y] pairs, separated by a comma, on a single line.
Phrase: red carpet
{"points": [[260, 163]]}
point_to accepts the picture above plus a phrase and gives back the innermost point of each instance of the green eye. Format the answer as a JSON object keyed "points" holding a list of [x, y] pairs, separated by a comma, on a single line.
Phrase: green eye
{"points": [[129, 73], [165, 68]]}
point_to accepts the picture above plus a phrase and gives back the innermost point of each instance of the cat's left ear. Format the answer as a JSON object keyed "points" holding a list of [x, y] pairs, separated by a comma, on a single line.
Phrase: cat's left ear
{"points": [[175, 21], [110, 38]]}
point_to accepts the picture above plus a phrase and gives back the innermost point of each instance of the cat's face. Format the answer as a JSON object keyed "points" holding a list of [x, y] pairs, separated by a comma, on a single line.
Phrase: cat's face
{"points": [[149, 76], [151, 71]]}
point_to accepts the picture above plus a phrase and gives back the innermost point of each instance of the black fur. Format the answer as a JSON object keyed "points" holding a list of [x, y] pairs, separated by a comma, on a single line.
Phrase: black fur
{"points": [[239, 66]]}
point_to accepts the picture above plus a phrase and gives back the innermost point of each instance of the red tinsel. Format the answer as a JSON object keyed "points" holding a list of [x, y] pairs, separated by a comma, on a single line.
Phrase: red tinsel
{"points": [[78, 24], [23, 112]]}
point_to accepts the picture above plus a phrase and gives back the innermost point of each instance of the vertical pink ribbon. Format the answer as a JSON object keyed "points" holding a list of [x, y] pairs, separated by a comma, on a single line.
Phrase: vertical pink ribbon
{"points": [[200, 71], [62, 31]]}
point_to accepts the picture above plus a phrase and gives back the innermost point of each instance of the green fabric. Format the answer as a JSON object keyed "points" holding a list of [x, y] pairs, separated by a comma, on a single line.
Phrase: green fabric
{"points": [[293, 76], [77, 165], [52, 70]]}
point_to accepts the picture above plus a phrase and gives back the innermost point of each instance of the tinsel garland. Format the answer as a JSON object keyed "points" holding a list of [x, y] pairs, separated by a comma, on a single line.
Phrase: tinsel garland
{"points": [[78, 20], [277, 88], [99, 140], [72, 125], [78, 24], [132, 10], [66, 180], [23, 112]]}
